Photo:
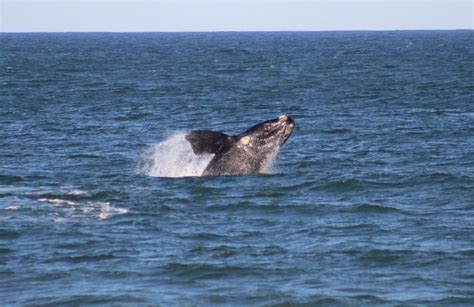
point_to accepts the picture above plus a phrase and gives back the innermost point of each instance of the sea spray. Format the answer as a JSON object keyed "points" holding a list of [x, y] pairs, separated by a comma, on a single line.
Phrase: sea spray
{"points": [[269, 165], [174, 157]]}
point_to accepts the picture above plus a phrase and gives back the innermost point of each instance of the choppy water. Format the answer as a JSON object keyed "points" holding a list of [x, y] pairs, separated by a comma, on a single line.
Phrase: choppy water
{"points": [[370, 201]]}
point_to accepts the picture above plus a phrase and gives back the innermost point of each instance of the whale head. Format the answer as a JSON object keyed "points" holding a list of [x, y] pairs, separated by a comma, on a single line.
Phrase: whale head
{"points": [[268, 136]]}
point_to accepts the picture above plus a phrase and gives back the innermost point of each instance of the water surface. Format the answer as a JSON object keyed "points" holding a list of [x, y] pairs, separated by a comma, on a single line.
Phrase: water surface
{"points": [[370, 200]]}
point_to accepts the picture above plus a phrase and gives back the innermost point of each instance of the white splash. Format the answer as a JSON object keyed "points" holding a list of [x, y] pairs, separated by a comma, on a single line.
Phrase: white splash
{"points": [[269, 166], [106, 211], [174, 157]]}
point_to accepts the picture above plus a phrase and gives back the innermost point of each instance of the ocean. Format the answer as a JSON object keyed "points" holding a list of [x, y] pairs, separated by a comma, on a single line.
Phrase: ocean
{"points": [[370, 201]]}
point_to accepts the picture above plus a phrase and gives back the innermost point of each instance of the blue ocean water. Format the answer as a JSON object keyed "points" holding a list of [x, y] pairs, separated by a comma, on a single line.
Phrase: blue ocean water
{"points": [[371, 200]]}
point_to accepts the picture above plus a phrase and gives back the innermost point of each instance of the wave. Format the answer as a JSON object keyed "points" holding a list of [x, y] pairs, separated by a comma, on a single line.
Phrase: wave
{"points": [[76, 195], [62, 205], [343, 185], [67, 209], [373, 208], [84, 258], [9, 234], [440, 177], [10, 179], [86, 299], [200, 271]]}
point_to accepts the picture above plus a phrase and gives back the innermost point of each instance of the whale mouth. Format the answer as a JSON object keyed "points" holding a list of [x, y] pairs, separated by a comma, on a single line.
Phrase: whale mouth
{"points": [[285, 122], [288, 121], [282, 128]]}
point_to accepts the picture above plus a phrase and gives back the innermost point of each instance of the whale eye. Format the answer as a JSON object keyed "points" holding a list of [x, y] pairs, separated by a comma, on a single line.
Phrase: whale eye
{"points": [[245, 140]]}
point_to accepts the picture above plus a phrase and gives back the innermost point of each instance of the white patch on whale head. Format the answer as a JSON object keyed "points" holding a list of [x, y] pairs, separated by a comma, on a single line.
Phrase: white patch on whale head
{"points": [[245, 140]]}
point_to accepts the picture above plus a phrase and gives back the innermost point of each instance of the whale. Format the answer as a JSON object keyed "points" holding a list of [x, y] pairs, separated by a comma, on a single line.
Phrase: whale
{"points": [[243, 154]]}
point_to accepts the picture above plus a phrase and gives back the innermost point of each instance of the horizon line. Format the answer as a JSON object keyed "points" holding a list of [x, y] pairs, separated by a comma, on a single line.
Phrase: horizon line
{"points": [[241, 31]]}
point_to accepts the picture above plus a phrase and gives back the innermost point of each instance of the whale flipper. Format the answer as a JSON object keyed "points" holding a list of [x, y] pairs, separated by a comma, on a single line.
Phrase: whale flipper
{"points": [[207, 141]]}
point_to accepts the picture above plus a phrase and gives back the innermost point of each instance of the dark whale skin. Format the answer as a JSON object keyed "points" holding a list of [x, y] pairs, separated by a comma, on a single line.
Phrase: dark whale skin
{"points": [[243, 154]]}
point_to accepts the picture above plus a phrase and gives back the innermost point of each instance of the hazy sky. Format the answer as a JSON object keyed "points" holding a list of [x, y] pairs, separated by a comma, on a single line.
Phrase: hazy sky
{"points": [[236, 15]]}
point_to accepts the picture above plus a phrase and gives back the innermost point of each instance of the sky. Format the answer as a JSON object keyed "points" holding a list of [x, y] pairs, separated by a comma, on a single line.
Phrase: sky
{"points": [[232, 15]]}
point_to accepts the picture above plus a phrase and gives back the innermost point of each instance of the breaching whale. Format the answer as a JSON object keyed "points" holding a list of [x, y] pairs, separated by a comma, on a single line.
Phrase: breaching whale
{"points": [[243, 154]]}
